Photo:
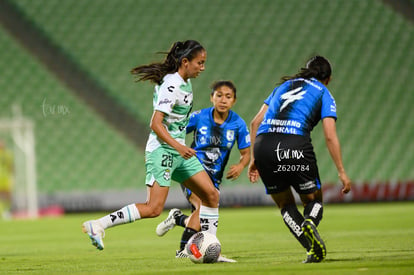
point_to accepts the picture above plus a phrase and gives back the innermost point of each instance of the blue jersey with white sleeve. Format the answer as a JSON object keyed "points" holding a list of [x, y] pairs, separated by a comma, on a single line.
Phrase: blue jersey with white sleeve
{"points": [[213, 142], [296, 106]]}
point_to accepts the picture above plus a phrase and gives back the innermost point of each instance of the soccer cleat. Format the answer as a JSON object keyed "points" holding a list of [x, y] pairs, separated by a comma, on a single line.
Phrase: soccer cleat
{"points": [[181, 254], [168, 223], [223, 259], [311, 258], [318, 249], [96, 233]]}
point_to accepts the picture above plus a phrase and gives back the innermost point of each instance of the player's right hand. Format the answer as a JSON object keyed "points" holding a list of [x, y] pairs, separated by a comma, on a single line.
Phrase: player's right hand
{"points": [[253, 173], [186, 152]]}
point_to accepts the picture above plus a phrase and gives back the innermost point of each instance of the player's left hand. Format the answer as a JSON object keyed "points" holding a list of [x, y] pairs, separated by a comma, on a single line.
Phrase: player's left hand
{"points": [[234, 171], [346, 182]]}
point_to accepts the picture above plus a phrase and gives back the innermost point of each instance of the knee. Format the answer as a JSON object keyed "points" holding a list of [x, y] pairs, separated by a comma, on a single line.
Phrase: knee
{"points": [[284, 205], [155, 211], [310, 198], [212, 198]]}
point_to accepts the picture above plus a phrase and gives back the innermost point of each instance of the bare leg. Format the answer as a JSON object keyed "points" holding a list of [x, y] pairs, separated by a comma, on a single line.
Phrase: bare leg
{"points": [[200, 184], [156, 197], [194, 217], [284, 198]]}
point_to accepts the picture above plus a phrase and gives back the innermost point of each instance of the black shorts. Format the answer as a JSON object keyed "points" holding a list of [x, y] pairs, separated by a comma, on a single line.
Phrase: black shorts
{"points": [[286, 160]]}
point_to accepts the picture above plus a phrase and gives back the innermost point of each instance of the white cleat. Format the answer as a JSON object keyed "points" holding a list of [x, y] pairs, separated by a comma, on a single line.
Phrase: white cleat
{"points": [[96, 233], [168, 223], [223, 259]]}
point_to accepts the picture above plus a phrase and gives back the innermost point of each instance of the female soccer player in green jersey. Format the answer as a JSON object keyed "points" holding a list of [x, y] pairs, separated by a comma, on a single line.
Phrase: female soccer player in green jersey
{"points": [[167, 157], [216, 130]]}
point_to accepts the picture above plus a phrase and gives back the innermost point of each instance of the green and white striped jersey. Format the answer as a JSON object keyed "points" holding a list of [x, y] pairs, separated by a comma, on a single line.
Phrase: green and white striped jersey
{"points": [[174, 97]]}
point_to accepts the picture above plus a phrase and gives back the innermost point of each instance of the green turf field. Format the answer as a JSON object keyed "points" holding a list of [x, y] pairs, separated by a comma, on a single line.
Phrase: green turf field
{"points": [[360, 238]]}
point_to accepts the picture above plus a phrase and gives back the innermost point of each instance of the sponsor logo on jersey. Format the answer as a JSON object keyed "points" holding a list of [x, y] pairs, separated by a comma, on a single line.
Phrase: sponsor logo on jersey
{"points": [[203, 140], [282, 122], [164, 101], [203, 130], [283, 130], [247, 139]]}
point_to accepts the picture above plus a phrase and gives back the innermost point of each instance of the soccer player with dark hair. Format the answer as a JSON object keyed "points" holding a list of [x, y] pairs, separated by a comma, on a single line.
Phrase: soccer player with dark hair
{"points": [[216, 130], [283, 154], [167, 157]]}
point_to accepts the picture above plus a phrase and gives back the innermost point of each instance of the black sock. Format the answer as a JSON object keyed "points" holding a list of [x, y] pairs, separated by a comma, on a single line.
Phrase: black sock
{"points": [[313, 211], [180, 220], [293, 220], [188, 232]]}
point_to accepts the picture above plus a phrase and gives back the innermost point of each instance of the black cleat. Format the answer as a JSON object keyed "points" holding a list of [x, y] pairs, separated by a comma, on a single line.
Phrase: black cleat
{"points": [[311, 258], [318, 249]]}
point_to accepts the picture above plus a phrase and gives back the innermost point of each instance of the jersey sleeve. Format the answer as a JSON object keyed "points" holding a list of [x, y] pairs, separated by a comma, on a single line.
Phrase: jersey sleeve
{"points": [[269, 98], [328, 105], [243, 139], [166, 98]]}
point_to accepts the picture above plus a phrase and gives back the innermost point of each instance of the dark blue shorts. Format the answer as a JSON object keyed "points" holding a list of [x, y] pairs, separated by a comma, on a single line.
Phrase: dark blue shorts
{"points": [[187, 192]]}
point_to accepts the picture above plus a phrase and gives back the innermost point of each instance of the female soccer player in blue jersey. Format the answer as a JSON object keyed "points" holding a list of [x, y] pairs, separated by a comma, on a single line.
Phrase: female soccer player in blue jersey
{"points": [[167, 157], [216, 129], [283, 154]]}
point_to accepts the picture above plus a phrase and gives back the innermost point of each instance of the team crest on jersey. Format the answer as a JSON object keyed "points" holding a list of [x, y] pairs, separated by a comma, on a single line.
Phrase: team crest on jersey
{"points": [[230, 135], [167, 174]]}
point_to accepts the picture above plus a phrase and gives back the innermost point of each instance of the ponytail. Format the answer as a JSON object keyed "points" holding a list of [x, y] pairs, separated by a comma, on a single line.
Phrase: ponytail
{"points": [[156, 71], [317, 67]]}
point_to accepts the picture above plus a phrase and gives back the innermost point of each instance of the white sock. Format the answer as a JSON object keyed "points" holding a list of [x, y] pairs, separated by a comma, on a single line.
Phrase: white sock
{"points": [[209, 219], [126, 214]]}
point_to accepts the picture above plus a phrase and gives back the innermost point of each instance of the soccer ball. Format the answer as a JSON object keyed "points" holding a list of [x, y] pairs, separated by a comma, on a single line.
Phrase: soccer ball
{"points": [[203, 247]]}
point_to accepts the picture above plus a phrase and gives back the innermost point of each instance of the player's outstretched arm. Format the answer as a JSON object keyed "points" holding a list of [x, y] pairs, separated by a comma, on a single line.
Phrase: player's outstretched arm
{"points": [[334, 147]]}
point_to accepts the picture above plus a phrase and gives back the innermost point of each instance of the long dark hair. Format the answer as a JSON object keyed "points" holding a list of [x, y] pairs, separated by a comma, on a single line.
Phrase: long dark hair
{"points": [[317, 67], [156, 71]]}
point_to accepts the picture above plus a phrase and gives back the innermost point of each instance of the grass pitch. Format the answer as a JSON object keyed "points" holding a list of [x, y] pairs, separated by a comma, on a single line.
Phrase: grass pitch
{"points": [[360, 238]]}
